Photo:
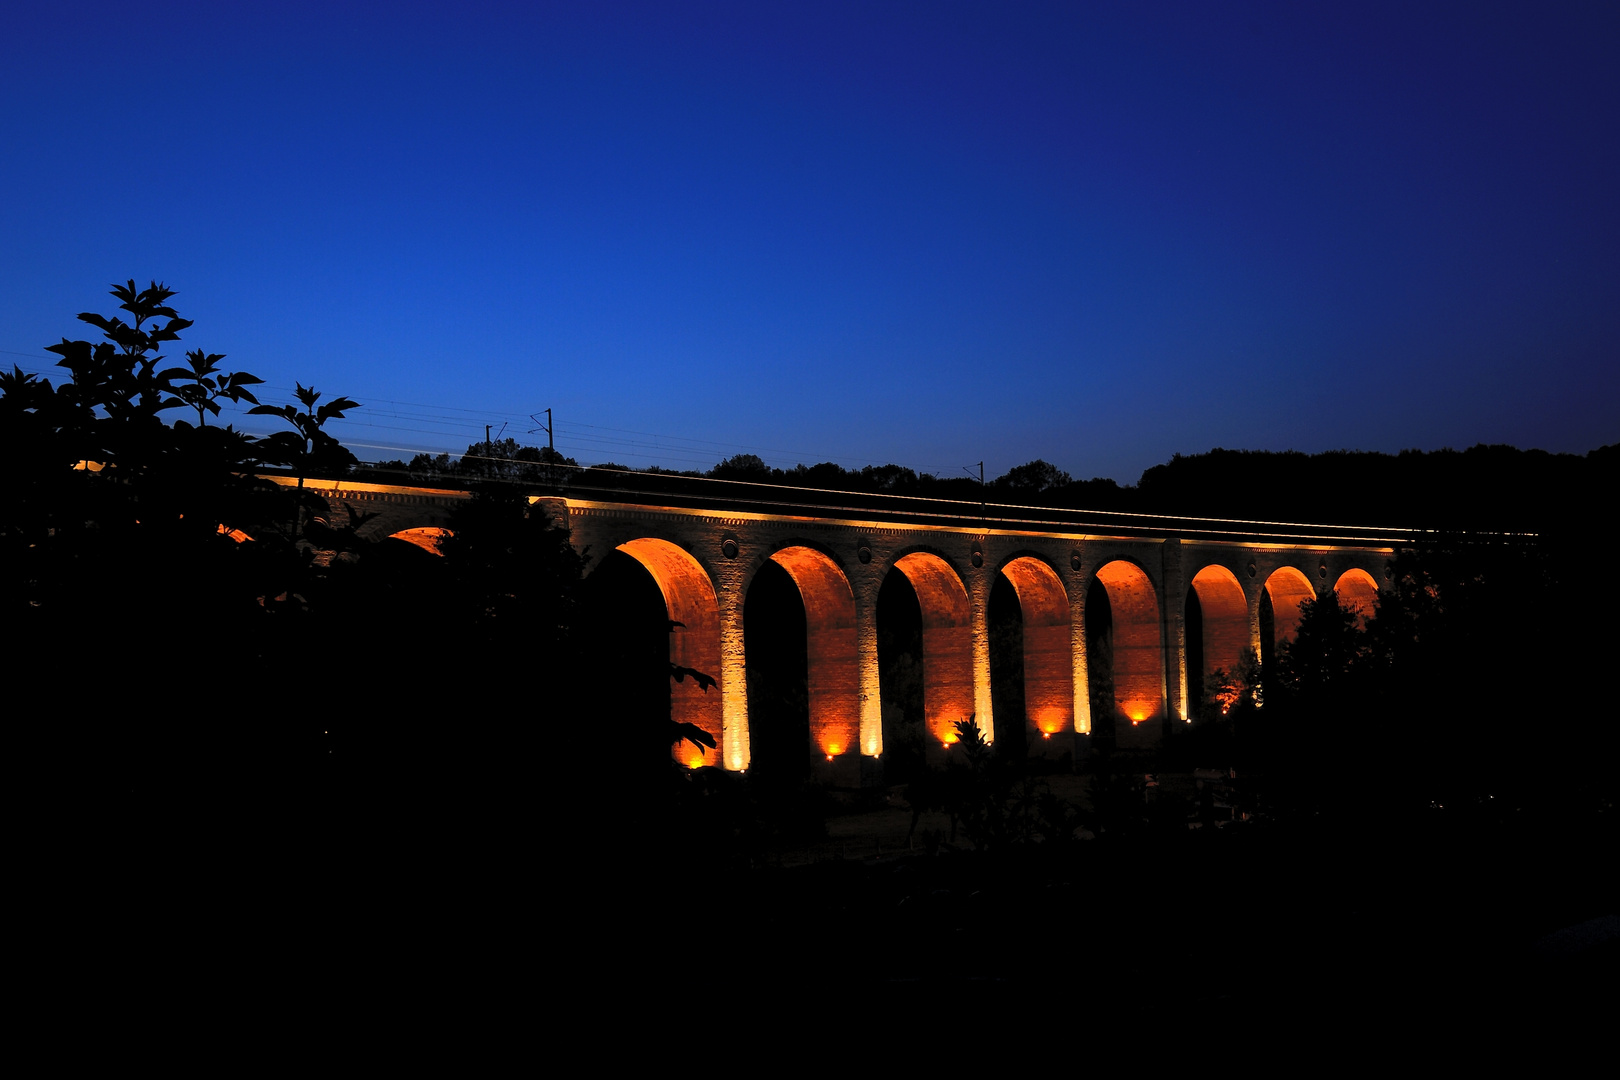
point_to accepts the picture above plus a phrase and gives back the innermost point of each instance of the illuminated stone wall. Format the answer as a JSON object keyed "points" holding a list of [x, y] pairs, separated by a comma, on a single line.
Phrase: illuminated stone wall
{"points": [[1357, 590], [1048, 649], [947, 643], [392, 509], [1225, 617], [689, 598], [1289, 588], [833, 668], [1139, 668], [704, 563]]}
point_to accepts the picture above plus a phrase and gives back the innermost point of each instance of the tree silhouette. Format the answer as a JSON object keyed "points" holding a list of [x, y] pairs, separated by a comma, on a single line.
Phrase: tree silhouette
{"points": [[307, 447], [1324, 664], [743, 467], [1032, 478], [201, 385]]}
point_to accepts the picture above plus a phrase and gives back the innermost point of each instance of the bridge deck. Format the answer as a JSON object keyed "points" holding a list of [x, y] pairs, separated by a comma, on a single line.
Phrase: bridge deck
{"points": [[743, 497]]}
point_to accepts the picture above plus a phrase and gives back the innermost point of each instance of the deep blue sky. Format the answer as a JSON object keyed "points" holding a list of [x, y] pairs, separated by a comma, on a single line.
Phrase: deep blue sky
{"points": [[929, 234]]}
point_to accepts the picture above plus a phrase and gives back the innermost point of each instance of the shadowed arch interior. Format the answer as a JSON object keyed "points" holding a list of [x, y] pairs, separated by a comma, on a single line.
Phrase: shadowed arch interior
{"points": [[1357, 590], [1138, 658], [830, 648], [689, 598], [900, 680], [1004, 623], [947, 642], [1048, 655], [777, 679], [1288, 588], [625, 626]]}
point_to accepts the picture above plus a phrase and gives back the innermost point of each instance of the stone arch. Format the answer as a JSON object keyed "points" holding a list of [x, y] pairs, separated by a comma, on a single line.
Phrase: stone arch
{"points": [[947, 642], [427, 538], [1288, 588], [1048, 652], [689, 598], [834, 668], [1138, 648], [1224, 617], [1358, 591]]}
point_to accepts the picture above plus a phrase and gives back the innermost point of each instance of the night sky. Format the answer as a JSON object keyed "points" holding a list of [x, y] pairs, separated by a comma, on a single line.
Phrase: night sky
{"points": [[928, 234]]}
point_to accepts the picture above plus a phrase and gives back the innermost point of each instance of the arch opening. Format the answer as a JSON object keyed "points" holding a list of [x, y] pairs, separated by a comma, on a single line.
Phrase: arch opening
{"points": [[689, 599], [1217, 627], [1125, 658], [832, 676], [626, 630], [426, 538], [1287, 588], [900, 680], [1358, 592], [1007, 671], [774, 642], [1047, 659], [945, 633]]}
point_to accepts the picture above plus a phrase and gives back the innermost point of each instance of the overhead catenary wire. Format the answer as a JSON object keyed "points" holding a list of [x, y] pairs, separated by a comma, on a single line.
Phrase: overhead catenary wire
{"points": [[447, 429], [444, 427]]}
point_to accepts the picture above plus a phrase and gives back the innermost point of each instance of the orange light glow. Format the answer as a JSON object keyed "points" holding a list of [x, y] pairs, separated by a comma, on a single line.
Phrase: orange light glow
{"points": [[1050, 721], [1288, 588], [1225, 619], [1138, 655], [689, 599], [831, 649], [1359, 592], [425, 538], [1048, 655], [1138, 709], [947, 633]]}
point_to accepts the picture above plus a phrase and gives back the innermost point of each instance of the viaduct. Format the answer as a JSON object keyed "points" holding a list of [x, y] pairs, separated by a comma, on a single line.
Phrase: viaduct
{"points": [[1178, 591]]}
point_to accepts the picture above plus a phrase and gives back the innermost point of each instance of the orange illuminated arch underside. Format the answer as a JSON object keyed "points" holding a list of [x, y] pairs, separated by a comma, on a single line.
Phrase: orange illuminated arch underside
{"points": [[834, 671], [1225, 617], [1138, 655], [947, 633], [1288, 588], [1048, 657], [689, 599], [425, 538], [1359, 592]]}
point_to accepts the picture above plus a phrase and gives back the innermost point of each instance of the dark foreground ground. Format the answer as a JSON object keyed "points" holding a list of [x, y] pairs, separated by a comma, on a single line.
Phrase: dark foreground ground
{"points": [[1446, 920], [527, 905]]}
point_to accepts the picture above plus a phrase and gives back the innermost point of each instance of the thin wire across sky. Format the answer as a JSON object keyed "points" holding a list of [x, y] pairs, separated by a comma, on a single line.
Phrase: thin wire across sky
{"points": [[383, 429]]}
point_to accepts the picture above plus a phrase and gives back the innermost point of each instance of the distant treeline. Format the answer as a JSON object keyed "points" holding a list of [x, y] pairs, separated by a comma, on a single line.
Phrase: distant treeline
{"points": [[1493, 488]]}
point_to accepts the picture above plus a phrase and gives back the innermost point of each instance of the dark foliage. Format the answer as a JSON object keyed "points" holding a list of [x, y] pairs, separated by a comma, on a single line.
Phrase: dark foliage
{"points": [[1482, 489], [1487, 488], [1468, 687], [164, 610], [496, 460], [517, 578]]}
